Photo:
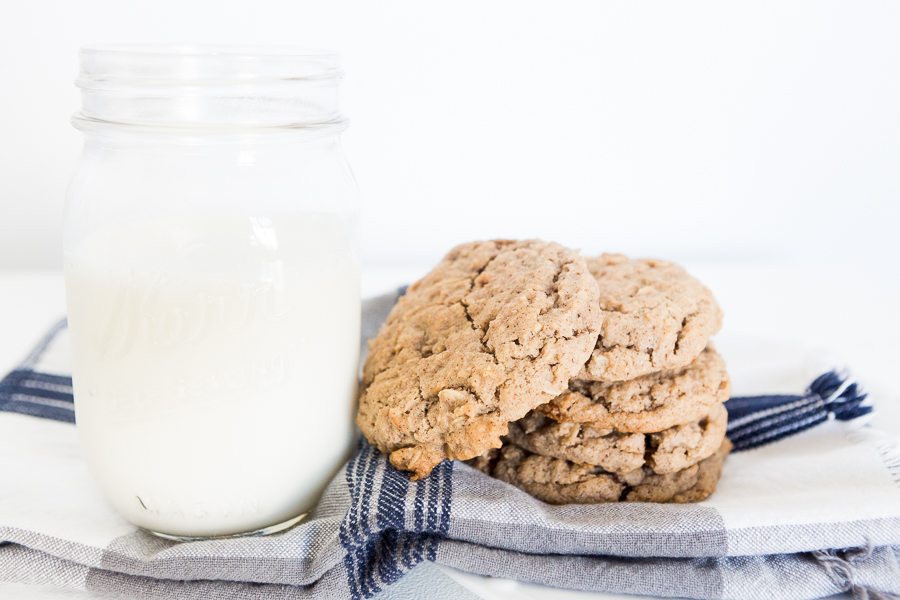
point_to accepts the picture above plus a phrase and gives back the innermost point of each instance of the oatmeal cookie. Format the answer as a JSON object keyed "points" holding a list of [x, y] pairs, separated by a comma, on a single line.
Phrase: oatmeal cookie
{"points": [[494, 330], [656, 317], [559, 481], [682, 446], [579, 442], [647, 404], [668, 451]]}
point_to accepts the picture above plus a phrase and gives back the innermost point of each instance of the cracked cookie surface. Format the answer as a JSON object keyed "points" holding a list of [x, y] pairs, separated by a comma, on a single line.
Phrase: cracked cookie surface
{"points": [[559, 481], [494, 330], [647, 404], [668, 451], [655, 317]]}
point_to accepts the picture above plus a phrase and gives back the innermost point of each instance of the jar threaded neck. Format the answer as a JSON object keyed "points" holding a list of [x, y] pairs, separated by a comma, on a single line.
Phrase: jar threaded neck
{"points": [[209, 86]]}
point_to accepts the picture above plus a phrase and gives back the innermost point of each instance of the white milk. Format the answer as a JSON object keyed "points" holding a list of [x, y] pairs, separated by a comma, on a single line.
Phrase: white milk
{"points": [[215, 367]]}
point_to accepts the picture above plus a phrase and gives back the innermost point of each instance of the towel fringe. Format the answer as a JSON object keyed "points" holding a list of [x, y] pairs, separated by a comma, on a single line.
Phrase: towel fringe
{"points": [[759, 420], [889, 452], [841, 568], [844, 398]]}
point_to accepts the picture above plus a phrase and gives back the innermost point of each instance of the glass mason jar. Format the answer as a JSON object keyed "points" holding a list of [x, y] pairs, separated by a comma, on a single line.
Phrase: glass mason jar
{"points": [[212, 285]]}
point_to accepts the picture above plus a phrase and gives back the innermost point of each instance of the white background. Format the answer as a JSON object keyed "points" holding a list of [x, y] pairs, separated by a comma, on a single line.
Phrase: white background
{"points": [[691, 130]]}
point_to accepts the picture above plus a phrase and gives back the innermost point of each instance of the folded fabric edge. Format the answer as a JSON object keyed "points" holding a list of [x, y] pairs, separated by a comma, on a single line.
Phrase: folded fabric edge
{"points": [[751, 541], [272, 571], [801, 576], [198, 567], [20, 564]]}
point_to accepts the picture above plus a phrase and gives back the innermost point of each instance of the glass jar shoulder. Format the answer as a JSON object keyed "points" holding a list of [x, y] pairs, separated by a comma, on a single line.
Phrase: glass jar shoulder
{"points": [[276, 172], [183, 188]]}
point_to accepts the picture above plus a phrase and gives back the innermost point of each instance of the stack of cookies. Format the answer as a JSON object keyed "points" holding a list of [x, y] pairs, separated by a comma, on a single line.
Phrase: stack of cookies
{"points": [[575, 380], [644, 420]]}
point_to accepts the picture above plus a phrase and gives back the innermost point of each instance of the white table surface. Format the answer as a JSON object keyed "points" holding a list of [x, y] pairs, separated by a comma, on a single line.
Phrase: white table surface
{"points": [[850, 311]]}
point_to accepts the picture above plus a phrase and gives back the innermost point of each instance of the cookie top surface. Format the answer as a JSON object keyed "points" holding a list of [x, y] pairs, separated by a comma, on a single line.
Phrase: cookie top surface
{"points": [[494, 330], [655, 317], [668, 451], [649, 403], [559, 481]]}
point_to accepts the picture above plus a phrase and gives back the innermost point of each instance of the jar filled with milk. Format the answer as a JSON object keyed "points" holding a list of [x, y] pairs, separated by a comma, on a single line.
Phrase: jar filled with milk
{"points": [[212, 285]]}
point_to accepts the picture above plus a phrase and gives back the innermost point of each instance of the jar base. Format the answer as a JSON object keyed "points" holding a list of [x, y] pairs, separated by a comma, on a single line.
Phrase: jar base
{"points": [[270, 530]]}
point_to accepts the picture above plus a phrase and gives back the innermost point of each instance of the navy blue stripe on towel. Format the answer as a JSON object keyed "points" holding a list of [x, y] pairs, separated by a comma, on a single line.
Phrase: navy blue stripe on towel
{"points": [[38, 394], [28, 391], [754, 421], [393, 523]]}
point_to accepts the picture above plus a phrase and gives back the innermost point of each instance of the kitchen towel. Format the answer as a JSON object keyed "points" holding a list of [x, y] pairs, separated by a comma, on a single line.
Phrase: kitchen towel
{"points": [[796, 515]]}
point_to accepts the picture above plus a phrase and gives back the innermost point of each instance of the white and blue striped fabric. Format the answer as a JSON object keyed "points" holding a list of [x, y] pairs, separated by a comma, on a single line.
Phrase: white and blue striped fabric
{"points": [[812, 515], [30, 391]]}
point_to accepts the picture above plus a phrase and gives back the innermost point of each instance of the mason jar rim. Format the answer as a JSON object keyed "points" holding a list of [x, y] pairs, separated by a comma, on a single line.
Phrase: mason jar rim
{"points": [[198, 64], [199, 85], [207, 49]]}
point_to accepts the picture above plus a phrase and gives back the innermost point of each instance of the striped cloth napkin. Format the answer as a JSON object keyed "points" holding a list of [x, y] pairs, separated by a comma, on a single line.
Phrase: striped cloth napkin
{"points": [[814, 514]]}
